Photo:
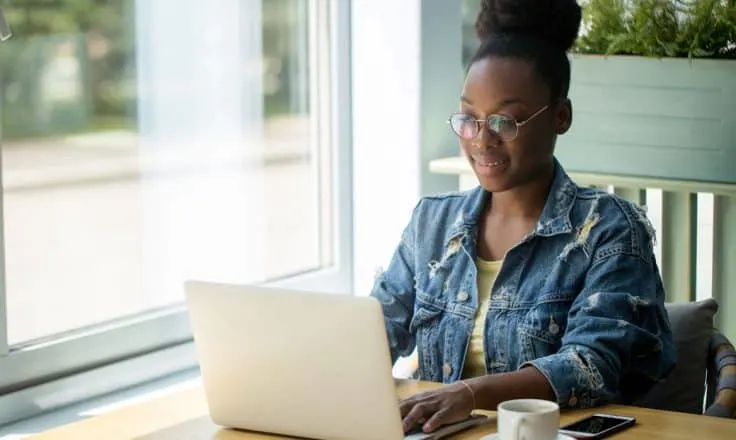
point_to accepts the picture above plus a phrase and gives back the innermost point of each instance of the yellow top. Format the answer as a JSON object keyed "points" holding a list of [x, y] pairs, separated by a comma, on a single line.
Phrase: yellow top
{"points": [[475, 364]]}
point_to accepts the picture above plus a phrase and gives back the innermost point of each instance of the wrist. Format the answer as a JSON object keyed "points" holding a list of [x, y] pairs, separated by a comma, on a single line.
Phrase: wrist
{"points": [[471, 392]]}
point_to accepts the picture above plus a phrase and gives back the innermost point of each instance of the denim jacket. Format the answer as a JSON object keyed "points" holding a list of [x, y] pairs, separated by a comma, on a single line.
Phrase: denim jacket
{"points": [[580, 298]]}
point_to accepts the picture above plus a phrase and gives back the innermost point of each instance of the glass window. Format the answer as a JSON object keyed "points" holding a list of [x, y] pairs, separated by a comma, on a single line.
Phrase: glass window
{"points": [[145, 143]]}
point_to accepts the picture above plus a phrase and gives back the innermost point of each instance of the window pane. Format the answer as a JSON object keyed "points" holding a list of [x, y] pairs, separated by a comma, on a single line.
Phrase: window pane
{"points": [[150, 142]]}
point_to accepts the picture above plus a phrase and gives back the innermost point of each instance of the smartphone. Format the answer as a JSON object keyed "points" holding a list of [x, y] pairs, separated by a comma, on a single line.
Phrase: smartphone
{"points": [[597, 426]]}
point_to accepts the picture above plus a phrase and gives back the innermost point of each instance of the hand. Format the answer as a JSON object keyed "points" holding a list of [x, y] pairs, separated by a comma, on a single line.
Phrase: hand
{"points": [[449, 404]]}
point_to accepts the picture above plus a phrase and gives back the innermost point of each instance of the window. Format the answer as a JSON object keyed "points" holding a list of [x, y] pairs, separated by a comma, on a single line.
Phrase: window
{"points": [[147, 143]]}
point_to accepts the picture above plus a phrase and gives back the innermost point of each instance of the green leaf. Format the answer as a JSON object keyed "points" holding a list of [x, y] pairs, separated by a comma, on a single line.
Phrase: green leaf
{"points": [[659, 28]]}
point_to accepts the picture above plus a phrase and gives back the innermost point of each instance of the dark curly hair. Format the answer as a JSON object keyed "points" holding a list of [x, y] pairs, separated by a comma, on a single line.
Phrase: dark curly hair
{"points": [[539, 31]]}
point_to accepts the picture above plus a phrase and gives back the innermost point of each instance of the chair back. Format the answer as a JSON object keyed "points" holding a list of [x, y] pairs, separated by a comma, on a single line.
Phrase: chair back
{"points": [[721, 385], [683, 390]]}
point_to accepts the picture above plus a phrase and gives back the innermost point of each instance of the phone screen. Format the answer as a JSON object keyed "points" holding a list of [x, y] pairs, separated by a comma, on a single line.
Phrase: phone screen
{"points": [[594, 424]]}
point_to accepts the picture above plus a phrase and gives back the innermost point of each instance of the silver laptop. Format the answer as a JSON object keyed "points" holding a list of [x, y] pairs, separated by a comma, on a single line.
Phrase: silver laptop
{"points": [[294, 363]]}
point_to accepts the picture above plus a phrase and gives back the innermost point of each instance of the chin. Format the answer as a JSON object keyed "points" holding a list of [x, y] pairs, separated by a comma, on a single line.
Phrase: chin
{"points": [[493, 179], [495, 185]]}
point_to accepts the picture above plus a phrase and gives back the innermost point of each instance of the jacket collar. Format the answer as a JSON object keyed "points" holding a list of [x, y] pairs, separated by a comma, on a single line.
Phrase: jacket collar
{"points": [[555, 217]]}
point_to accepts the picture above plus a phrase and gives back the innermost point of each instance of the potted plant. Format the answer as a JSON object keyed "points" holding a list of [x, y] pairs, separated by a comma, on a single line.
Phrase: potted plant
{"points": [[654, 90]]}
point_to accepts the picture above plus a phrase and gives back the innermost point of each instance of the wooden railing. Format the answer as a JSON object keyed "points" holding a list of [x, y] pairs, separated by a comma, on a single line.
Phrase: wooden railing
{"points": [[696, 231]]}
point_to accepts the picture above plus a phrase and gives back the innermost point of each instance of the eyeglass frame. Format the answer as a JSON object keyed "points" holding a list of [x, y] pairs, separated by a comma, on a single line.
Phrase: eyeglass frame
{"points": [[487, 124]]}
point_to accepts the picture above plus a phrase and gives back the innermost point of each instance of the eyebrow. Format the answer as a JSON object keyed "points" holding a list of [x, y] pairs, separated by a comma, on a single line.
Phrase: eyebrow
{"points": [[503, 103]]}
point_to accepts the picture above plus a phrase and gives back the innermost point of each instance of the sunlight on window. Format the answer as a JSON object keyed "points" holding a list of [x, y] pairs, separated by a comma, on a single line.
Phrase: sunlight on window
{"points": [[143, 147]]}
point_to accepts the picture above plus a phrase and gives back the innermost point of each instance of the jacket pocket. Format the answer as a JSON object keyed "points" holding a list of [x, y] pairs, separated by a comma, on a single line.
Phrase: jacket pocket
{"points": [[542, 328]]}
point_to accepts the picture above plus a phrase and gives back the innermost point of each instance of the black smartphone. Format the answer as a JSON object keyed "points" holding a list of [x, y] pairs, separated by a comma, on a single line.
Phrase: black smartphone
{"points": [[597, 426]]}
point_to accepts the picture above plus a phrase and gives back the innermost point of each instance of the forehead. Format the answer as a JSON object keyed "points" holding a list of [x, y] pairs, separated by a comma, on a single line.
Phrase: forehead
{"points": [[494, 80]]}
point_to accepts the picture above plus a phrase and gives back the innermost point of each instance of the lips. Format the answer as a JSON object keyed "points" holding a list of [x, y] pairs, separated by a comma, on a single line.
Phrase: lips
{"points": [[490, 161], [490, 166]]}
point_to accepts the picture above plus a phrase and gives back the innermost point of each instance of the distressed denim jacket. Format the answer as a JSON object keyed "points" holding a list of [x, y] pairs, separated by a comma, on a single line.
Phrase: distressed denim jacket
{"points": [[580, 298]]}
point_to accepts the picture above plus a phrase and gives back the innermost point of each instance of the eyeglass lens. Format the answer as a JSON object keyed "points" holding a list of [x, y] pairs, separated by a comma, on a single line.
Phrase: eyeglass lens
{"points": [[466, 126]]}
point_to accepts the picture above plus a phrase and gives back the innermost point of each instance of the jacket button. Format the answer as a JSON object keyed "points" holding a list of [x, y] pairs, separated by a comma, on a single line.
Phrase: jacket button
{"points": [[554, 329], [447, 369], [462, 296]]}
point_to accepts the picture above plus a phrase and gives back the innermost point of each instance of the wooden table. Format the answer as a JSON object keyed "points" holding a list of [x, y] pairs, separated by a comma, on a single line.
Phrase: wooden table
{"points": [[182, 415]]}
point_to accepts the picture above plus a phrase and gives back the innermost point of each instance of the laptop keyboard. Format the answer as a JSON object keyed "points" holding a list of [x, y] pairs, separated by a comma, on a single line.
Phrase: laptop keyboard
{"points": [[417, 429], [416, 433]]}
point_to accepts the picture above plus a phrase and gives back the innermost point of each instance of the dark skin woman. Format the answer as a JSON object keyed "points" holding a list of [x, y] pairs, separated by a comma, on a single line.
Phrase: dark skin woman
{"points": [[556, 284], [518, 173]]}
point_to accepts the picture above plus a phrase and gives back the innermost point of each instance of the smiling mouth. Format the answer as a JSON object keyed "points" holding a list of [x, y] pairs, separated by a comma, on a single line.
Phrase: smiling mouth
{"points": [[488, 162]]}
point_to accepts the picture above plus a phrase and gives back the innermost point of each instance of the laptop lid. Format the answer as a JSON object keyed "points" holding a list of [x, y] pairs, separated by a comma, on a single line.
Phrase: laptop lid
{"points": [[296, 363]]}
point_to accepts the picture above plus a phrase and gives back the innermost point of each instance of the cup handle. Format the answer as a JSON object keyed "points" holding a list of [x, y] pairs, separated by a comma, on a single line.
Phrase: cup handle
{"points": [[516, 427]]}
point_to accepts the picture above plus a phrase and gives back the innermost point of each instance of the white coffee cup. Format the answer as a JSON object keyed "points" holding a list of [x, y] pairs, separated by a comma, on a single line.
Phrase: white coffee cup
{"points": [[528, 419]]}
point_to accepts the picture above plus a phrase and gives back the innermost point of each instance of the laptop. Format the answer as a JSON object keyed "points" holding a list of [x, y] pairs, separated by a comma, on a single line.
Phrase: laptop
{"points": [[296, 363]]}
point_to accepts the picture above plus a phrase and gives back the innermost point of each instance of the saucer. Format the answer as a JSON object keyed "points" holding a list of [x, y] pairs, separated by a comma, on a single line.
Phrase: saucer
{"points": [[559, 437]]}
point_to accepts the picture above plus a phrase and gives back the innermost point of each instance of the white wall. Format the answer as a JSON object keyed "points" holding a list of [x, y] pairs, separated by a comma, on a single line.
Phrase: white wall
{"points": [[407, 73]]}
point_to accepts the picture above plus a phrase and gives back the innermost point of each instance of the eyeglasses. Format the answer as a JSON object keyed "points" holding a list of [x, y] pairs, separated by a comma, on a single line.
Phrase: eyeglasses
{"points": [[507, 128]]}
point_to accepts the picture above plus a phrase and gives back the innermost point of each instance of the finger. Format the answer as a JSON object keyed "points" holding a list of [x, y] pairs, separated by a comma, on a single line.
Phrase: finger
{"points": [[441, 417], [420, 411], [405, 405]]}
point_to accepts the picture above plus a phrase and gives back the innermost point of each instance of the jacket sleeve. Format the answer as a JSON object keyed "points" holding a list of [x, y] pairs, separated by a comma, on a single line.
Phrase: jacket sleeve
{"points": [[394, 289], [618, 342]]}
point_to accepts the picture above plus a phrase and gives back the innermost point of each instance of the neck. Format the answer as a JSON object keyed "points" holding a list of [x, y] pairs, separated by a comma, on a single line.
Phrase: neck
{"points": [[526, 201]]}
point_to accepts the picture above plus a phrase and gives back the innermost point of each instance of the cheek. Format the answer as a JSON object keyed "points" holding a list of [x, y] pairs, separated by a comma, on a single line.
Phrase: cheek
{"points": [[520, 154], [537, 141], [529, 151], [467, 131], [467, 146]]}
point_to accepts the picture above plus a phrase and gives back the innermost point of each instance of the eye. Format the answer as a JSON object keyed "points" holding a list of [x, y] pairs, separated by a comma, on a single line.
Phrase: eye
{"points": [[503, 125], [464, 125], [498, 122]]}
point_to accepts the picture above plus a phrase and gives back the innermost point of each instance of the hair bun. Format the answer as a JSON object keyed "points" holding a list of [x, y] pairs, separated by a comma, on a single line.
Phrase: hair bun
{"points": [[555, 21]]}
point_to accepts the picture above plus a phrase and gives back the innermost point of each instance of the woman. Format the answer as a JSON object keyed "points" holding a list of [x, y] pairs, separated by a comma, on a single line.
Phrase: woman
{"points": [[527, 286]]}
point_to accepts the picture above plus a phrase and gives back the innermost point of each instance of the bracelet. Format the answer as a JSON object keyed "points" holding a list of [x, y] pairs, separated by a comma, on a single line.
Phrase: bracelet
{"points": [[472, 393]]}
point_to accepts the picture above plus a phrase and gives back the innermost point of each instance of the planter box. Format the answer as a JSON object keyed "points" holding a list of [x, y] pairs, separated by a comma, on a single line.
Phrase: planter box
{"points": [[661, 118]]}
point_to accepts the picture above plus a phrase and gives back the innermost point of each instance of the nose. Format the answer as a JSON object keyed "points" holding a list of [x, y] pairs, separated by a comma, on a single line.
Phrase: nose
{"points": [[486, 138]]}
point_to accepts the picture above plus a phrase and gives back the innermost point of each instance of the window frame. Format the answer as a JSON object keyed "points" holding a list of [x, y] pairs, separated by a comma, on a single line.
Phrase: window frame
{"points": [[4, 346], [63, 369]]}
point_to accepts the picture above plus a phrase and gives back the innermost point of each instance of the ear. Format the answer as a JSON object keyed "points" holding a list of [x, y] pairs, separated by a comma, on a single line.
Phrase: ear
{"points": [[563, 116]]}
